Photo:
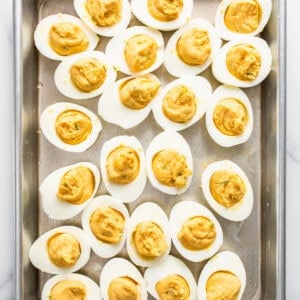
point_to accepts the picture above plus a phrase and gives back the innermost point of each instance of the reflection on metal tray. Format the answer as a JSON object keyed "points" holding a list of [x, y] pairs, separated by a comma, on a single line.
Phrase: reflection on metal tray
{"points": [[258, 241]]}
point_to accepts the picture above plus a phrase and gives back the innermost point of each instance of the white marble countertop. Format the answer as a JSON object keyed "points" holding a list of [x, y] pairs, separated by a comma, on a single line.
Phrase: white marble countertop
{"points": [[6, 152]]}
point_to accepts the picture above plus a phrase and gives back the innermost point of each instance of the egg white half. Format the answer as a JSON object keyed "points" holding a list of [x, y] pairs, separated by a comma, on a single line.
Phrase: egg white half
{"points": [[168, 140], [241, 210], [148, 211], [80, 8], [41, 34], [38, 254], [112, 110], [175, 65]]}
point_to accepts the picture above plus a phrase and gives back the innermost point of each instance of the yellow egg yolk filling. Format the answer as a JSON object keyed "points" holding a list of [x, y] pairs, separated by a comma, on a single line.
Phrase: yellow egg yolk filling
{"points": [[227, 188], [243, 62], [197, 233], [165, 10], [68, 290], [193, 47], [222, 285], [149, 240], [170, 168], [67, 38], [63, 250], [104, 12], [73, 127], [140, 52], [137, 93], [122, 165], [230, 117], [124, 288], [179, 104], [173, 287], [107, 224], [243, 16], [88, 74]]}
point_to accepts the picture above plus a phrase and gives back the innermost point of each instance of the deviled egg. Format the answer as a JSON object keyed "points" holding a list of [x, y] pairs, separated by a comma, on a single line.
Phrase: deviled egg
{"points": [[227, 190], [104, 223], [129, 101], [169, 163], [69, 126], [229, 116], [104, 17], [191, 49], [84, 75], [163, 15], [182, 103], [137, 50], [243, 62], [120, 279], [61, 35], [148, 239], [123, 168], [223, 277], [61, 250]]}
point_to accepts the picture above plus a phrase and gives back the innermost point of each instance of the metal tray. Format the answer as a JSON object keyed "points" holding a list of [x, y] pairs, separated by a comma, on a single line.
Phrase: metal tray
{"points": [[259, 240]]}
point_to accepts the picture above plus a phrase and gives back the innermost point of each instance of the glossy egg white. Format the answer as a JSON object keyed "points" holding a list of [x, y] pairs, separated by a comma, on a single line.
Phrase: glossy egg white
{"points": [[202, 90], [222, 74], [112, 110], [227, 34], [148, 212], [129, 192], [168, 140], [141, 12], [171, 265], [223, 261], [63, 81], [115, 48], [92, 289], [223, 92], [41, 34], [241, 210], [103, 249], [120, 267], [183, 211], [80, 8], [175, 65], [54, 207], [38, 254], [47, 125]]}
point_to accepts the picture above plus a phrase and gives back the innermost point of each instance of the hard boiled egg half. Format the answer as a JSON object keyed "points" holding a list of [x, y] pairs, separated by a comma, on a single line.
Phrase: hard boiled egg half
{"points": [[191, 49], [104, 17], [223, 277], [104, 223], [196, 233], [120, 279], [61, 250], [243, 62], [123, 168], [61, 35], [182, 103], [137, 50], [67, 191], [227, 190], [229, 116], [69, 126], [239, 18], [171, 277], [84, 75], [149, 239], [169, 163], [161, 14], [129, 101], [60, 286]]}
